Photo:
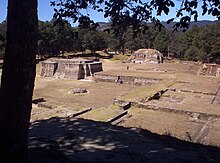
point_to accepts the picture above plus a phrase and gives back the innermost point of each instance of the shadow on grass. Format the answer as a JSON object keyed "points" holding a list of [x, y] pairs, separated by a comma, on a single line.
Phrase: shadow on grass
{"points": [[71, 140]]}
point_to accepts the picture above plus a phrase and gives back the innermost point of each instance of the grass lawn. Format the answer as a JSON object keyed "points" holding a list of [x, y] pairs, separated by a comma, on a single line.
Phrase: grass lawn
{"points": [[163, 123], [55, 92], [143, 92], [119, 57], [102, 114]]}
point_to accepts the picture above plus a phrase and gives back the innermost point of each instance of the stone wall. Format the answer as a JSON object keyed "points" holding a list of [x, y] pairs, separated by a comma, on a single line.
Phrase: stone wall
{"points": [[104, 78], [48, 68], [87, 70], [95, 67], [125, 79], [70, 71], [74, 71]]}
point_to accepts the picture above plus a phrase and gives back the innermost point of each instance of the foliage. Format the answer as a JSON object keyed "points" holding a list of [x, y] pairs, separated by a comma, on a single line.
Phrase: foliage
{"points": [[120, 57], [134, 13], [186, 39], [129, 27], [201, 43], [143, 40], [130, 42], [162, 42], [194, 44], [53, 39], [3, 29], [93, 40]]}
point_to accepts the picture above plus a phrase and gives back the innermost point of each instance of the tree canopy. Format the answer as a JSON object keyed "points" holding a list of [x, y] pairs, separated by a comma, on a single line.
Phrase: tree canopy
{"points": [[201, 43], [135, 13]]}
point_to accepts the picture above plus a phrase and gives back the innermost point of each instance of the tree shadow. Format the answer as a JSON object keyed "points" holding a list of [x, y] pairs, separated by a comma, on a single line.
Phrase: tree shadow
{"points": [[71, 140]]}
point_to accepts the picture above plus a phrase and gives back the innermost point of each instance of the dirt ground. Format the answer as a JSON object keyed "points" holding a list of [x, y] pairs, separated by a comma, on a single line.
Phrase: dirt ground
{"points": [[194, 94], [190, 113]]}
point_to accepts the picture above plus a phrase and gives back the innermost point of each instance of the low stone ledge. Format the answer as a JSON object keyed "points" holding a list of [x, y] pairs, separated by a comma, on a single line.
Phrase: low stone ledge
{"points": [[78, 91], [166, 109], [81, 112], [177, 111], [125, 79], [117, 117], [46, 106]]}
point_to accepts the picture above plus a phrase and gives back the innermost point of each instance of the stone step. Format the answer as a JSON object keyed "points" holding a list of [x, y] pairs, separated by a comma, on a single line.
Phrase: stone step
{"points": [[111, 120]]}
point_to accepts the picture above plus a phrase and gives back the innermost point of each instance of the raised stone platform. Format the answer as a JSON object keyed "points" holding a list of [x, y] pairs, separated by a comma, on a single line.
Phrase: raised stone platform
{"points": [[69, 68]]}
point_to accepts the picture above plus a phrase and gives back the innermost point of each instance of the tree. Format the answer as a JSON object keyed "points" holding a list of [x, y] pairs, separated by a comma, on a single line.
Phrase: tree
{"points": [[186, 41], [191, 53], [93, 41], [201, 43], [47, 37], [112, 42], [150, 36], [53, 39], [3, 29], [132, 43], [162, 42], [135, 13], [17, 80], [207, 42]]}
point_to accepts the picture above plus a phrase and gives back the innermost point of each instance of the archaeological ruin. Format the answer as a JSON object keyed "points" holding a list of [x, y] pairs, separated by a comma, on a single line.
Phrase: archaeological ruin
{"points": [[102, 77], [147, 56], [209, 70], [183, 95], [70, 68]]}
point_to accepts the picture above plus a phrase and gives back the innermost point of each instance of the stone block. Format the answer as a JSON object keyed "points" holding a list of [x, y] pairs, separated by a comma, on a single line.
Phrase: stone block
{"points": [[48, 68]]}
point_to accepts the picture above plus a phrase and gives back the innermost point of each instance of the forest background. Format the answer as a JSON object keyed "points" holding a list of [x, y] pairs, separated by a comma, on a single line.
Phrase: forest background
{"points": [[199, 43]]}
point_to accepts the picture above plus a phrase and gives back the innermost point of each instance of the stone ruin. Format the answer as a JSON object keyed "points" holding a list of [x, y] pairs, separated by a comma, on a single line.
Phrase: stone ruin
{"points": [[101, 77], [147, 56], [209, 70], [78, 91], [70, 68]]}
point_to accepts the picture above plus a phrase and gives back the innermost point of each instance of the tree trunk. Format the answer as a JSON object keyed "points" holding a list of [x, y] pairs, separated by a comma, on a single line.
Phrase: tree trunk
{"points": [[17, 80]]}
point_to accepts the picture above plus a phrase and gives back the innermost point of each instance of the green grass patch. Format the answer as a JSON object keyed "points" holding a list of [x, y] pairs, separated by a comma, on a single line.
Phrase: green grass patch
{"points": [[102, 114], [119, 57], [144, 92]]}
